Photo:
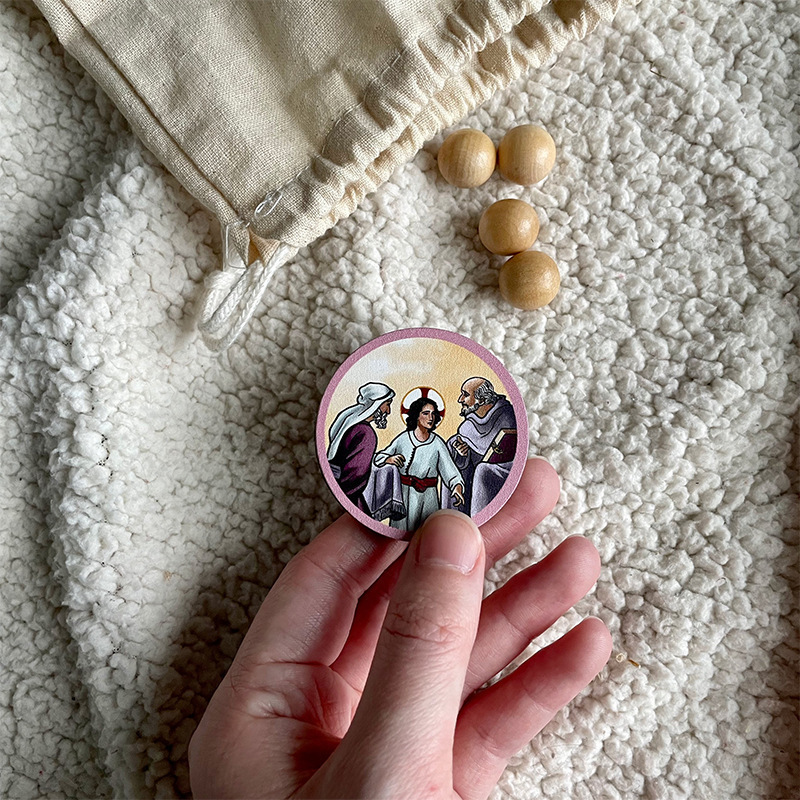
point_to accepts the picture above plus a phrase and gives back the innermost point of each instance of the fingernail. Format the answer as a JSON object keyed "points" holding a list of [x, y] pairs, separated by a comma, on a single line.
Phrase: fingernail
{"points": [[450, 539]]}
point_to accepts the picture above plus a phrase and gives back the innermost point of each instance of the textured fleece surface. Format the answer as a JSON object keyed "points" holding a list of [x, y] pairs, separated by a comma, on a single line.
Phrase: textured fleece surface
{"points": [[150, 493]]}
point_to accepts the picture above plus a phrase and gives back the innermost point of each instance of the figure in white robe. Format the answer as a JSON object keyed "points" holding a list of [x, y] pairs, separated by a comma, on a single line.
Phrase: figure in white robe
{"points": [[422, 459]]}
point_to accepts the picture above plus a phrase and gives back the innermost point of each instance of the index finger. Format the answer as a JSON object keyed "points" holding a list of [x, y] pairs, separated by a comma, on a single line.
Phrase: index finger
{"points": [[306, 616], [534, 498]]}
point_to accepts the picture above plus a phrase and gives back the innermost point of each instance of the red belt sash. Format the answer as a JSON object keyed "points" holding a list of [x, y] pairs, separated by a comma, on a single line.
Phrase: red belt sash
{"points": [[420, 484]]}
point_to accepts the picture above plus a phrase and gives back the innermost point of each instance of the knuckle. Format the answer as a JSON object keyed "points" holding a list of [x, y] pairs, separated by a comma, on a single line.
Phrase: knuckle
{"points": [[254, 686], [241, 674], [419, 625], [257, 700], [517, 631], [491, 740]]}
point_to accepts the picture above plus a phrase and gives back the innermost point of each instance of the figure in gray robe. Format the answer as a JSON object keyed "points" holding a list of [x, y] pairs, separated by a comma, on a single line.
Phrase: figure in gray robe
{"points": [[483, 448]]}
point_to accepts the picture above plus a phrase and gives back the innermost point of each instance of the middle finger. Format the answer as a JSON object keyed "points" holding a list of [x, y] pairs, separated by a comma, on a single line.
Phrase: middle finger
{"points": [[527, 605]]}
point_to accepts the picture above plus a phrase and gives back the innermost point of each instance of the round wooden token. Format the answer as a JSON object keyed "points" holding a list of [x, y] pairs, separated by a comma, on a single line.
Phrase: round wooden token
{"points": [[418, 420], [508, 226], [529, 280], [467, 158], [526, 154]]}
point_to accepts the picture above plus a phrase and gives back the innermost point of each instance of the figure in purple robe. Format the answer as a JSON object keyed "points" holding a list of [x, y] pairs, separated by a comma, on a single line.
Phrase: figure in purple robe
{"points": [[483, 448], [353, 441]]}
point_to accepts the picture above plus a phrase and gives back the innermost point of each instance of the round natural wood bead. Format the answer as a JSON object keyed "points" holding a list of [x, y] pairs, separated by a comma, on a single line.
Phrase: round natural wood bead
{"points": [[526, 154], [467, 158], [508, 226], [529, 280]]}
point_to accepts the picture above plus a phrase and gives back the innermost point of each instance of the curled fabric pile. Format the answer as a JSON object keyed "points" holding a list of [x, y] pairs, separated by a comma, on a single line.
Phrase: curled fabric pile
{"points": [[151, 492]]}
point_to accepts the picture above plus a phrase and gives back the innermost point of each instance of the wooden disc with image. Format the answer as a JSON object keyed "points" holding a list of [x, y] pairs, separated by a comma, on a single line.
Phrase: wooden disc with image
{"points": [[418, 420]]}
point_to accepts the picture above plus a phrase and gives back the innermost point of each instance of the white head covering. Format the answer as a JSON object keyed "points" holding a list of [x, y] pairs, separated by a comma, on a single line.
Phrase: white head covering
{"points": [[370, 397]]}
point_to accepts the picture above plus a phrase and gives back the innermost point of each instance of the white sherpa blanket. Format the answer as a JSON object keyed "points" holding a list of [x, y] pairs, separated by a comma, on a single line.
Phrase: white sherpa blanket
{"points": [[151, 492]]}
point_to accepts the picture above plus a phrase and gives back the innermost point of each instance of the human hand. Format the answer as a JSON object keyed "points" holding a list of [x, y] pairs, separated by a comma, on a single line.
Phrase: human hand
{"points": [[461, 447], [458, 493], [360, 674], [397, 460]]}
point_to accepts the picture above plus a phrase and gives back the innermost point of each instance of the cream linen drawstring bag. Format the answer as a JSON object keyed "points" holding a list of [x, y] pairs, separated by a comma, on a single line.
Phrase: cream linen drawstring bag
{"points": [[280, 115]]}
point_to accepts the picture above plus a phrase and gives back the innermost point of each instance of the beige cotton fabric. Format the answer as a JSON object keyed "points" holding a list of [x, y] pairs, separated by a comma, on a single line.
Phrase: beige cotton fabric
{"points": [[281, 115]]}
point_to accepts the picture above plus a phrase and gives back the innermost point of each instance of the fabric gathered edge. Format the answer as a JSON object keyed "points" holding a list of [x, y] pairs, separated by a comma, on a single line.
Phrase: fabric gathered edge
{"points": [[324, 192], [478, 48]]}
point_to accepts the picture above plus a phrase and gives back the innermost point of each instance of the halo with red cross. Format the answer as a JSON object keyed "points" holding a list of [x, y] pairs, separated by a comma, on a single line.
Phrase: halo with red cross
{"points": [[415, 394]]}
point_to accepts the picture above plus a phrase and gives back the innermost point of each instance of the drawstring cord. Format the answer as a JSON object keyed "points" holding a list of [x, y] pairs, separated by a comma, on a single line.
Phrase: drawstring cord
{"points": [[232, 294]]}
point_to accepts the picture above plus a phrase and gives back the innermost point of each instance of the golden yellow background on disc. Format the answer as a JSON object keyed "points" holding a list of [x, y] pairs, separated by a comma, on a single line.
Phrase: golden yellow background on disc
{"points": [[405, 365]]}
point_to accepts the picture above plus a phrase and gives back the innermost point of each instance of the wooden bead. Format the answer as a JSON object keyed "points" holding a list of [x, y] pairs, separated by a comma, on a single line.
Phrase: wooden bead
{"points": [[467, 158], [508, 226], [529, 280], [526, 154]]}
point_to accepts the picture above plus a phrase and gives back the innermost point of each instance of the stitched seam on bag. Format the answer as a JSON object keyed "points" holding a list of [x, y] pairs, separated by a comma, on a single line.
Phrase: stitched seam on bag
{"points": [[201, 177], [437, 31], [522, 52]]}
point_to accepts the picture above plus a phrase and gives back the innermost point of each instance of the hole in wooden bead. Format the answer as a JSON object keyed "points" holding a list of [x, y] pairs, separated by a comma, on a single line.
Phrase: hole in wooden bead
{"points": [[526, 154], [467, 158], [529, 280], [508, 226]]}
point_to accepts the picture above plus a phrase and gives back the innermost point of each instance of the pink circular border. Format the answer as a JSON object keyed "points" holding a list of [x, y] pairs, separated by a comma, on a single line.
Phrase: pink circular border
{"points": [[520, 456]]}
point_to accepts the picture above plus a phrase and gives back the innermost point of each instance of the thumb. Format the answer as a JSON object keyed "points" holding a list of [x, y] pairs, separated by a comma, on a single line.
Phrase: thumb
{"points": [[411, 700]]}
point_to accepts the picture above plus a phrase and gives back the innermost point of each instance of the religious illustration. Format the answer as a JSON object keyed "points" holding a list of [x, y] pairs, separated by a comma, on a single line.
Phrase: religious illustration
{"points": [[421, 460], [353, 441], [417, 421], [484, 446]]}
